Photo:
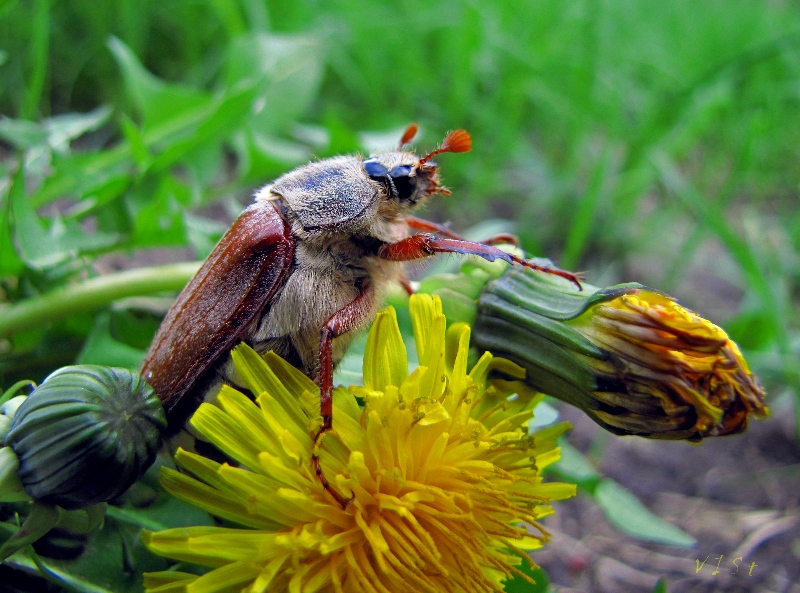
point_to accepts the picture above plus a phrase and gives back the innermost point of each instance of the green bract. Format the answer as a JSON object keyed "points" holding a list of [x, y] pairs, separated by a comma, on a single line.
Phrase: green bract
{"points": [[85, 435]]}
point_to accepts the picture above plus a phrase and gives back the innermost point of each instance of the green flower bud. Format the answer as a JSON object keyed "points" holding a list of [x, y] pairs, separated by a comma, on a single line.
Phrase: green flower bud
{"points": [[85, 435]]}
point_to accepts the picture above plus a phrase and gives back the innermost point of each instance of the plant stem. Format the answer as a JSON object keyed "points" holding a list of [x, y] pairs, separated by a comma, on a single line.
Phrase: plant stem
{"points": [[93, 294]]}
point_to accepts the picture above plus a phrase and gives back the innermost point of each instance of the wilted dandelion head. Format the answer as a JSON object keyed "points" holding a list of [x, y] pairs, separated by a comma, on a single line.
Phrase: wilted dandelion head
{"points": [[676, 362], [635, 360]]}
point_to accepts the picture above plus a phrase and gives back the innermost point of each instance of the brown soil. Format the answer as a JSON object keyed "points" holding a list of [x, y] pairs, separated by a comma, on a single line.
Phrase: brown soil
{"points": [[739, 496]]}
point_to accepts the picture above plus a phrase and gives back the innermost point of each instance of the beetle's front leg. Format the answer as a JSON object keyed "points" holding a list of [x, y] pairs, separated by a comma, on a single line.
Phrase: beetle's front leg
{"points": [[420, 224], [424, 245], [354, 314]]}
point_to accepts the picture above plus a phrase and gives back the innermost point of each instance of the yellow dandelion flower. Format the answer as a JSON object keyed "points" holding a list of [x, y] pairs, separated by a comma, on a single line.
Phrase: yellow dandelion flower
{"points": [[445, 476], [632, 358]]}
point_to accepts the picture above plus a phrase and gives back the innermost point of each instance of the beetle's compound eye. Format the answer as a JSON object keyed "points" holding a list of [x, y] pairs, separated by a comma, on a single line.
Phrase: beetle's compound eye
{"points": [[397, 182], [400, 171], [403, 183], [375, 170]]}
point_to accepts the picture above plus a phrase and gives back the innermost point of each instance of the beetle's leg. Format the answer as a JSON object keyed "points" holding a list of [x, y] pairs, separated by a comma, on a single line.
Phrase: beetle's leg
{"points": [[406, 284], [349, 317], [502, 239], [424, 245], [420, 224]]}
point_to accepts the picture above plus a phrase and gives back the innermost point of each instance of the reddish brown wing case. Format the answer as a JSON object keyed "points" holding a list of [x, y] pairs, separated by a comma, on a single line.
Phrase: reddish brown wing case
{"points": [[249, 264]]}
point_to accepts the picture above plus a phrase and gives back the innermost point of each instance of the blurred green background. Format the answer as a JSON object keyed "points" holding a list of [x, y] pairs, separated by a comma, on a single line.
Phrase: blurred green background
{"points": [[637, 140]]}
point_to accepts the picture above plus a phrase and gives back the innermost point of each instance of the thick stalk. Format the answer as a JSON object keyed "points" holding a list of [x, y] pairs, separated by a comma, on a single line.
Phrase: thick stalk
{"points": [[93, 294]]}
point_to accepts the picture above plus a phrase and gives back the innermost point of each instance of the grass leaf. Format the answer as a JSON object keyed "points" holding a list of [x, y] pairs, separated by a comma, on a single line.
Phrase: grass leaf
{"points": [[630, 516]]}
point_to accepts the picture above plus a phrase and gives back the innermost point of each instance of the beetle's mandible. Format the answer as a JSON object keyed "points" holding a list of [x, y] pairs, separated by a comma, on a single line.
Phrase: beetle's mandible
{"points": [[302, 268]]}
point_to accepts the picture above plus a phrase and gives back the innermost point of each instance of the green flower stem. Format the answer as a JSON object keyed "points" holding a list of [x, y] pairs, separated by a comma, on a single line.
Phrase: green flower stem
{"points": [[64, 581], [93, 294], [41, 519], [13, 390]]}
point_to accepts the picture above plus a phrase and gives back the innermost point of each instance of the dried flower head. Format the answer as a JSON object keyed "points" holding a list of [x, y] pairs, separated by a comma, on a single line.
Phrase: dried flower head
{"points": [[632, 358]]}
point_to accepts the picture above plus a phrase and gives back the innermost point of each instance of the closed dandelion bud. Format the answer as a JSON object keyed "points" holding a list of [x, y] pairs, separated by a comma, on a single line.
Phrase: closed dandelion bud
{"points": [[632, 358], [85, 435]]}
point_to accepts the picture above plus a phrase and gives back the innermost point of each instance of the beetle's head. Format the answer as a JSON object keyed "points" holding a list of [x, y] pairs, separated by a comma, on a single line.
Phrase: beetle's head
{"points": [[407, 178]]}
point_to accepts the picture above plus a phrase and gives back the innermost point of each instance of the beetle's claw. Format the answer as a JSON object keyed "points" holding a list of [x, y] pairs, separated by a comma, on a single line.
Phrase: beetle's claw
{"points": [[572, 277], [342, 501]]}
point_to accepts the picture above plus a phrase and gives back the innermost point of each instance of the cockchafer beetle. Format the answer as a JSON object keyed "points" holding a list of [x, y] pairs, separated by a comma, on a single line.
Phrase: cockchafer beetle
{"points": [[303, 268]]}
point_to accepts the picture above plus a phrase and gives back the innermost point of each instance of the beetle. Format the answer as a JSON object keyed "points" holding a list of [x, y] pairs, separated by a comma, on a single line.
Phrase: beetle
{"points": [[303, 268]]}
